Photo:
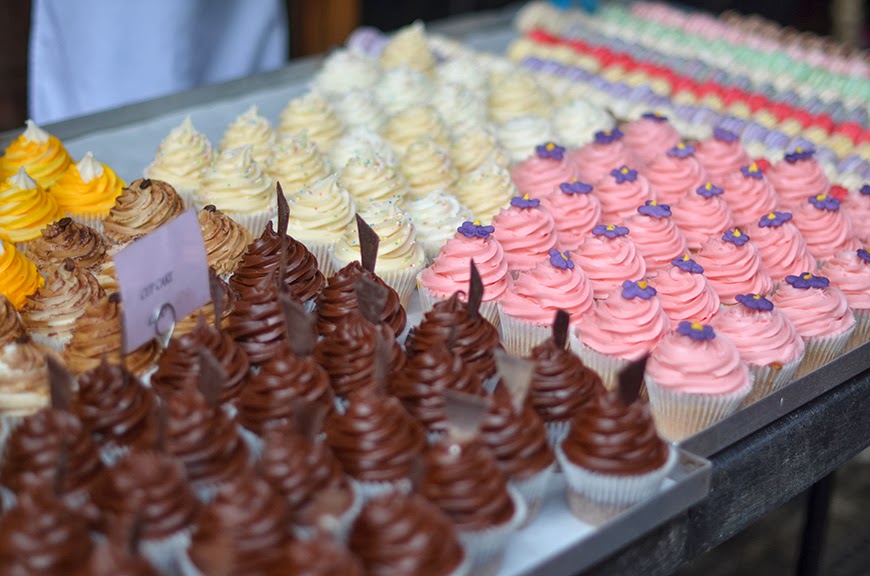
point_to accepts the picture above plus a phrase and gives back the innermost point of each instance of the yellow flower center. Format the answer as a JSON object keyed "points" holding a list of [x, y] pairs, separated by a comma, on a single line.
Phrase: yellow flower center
{"points": [[477, 222], [697, 326], [624, 170], [756, 296], [753, 167], [686, 258], [550, 146], [642, 284], [807, 276], [610, 227], [680, 146], [708, 186], [771, 216], [737, 233], [653, 203], [821, 197], [565, 256], [799, 150]]}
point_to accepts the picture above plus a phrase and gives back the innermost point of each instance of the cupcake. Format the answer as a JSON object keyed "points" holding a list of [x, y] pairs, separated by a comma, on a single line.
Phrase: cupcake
{"points": [[360, 142], [358, 109], [11, 327], [182, 160], [18, 276], [685, 293], [519, 136], [346, 71], [295, 162], [850, 271], [415, 123], [250, 129], [87, 191], [67, 239], [797, 176], [427, 167], [120, 554], [409, 47], [541, 174], [322, 556], [257, 322], [402, 87], [314, 114], [621, 192], [577, 121], [608, 257], [606, 152], [821, 314], [225, 240], [143, 207], [527, 308], [824, 227], [228, 298], [486, 190], [767, 341], [368, 178], [621, 329], [749, 194], [695, 378], [515, 95], [460, 107], [25, 209], [475, 146], [463, 70], [526, 233], [650, 135], [575, 210], [656, 236], [733, 266], [436, 217], [702, 214], [240, 188], [857, 208], [722, 155], [675, 173], [37, 151], [24, 383], [781, 246]]}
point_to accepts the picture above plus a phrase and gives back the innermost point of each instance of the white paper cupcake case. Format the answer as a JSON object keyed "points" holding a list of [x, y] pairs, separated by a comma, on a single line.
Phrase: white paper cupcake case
{"points": [[486, 547], [254, 442], [678, 415], [187, 194], [186, 567], [557, 431], [165, 555], [323, 252], [821, 350], [768, 379], [520, 336], [608, 367], [255, 222], [428, 299], [93, 220], [862, 329], [402, 281], [533, 490], [369, 490], [340, 529]]}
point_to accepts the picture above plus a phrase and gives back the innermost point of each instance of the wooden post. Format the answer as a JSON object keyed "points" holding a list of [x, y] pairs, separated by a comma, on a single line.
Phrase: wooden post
{"points": [[317, 26]]}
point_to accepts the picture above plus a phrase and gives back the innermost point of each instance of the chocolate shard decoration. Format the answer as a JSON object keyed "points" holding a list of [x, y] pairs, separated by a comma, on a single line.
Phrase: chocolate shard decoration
{"points": [[368, 244], [451, 337], [212, 377], [301, 326], [308, 417], [516, 374], [217, 297], [61, 468], [560, 329], [475, 292], [371, 299], [283, 211], [465, 413], [630, 381], [60, 384]]}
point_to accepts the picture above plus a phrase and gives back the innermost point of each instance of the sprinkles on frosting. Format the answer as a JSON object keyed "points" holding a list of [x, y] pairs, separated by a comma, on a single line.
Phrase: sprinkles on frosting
{"points": [[736, 237], [654, 209], [755, 302], [640, 289], [575, 187], [610, 230], [608, 136], [800, 153], [561, 260], [752, 171], [774, 219], [807, 280], [708, 190], [525, 202], [824, 202], [681, 150], [724, 135], [624, 174], [696, 330], [686, 264], [550, 150], [475, 230]]}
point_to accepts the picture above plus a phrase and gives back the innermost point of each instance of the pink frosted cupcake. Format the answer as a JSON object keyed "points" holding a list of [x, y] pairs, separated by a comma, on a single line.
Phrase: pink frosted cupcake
{"points": [[528, 307], [780, 245], [675, 173], [797, 176], [542, 173], [685, 293], [595, 160], [733, 266], [702, 214], [824, 227], [652, 134], [575, 210], [695, 378], [766, 339], [656, 236], [526, 231], [620, 330], [609, 257], [821, 314], [451, 270], [621, 192], [721, 155], [850, 272], [856, 206], [749, 194]]}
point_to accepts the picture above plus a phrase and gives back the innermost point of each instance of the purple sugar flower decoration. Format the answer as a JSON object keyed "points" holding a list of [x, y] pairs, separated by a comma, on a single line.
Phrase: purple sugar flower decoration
{"points": [[807, 280], [696, 330], [735, 236], [609, 230], [864, 255], [475, 230], [654, 209], [708, 190], [525, 202], [608, 136], [639, 289], [655, 116], [724, 135], [824, 202], [686, 264], [800, 153], [681, 150], [752, 171], [624, 174], [561, 260], [865, 189], [755, 302], [774, 219], [550, 150], [575, 187]]}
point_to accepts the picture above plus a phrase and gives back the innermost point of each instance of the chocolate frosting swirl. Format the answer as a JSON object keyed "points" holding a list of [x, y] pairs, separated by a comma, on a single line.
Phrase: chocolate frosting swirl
{"points": [[475, 338], [338, 300], [67, 239], [179, 365], [262, 259], [561, 383], [11, 328], [225, 240], [55, 307], [153, 487], [41, 535], [467, 485], [111, 559], [421, 384], [609, 437], [404, 535], [375, 439], [257, 323], [268, 394], [116, 407], [322, 556], [143, 207], [249, 519], [206, 440]]}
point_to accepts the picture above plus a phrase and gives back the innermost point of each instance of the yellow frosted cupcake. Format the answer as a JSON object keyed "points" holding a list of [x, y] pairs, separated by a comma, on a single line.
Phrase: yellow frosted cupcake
{"points": [[87, 191], [240, 188], [183, 158], [25, 208], [18, 276], [39, 152], [250, 129]]}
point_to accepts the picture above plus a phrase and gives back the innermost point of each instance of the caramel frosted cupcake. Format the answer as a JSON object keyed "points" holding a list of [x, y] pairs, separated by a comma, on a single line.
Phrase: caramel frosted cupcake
{"points": [[241, 188], [11, 327], [225, 240], [52, 312], [142, 207], [87, 191], [182, 159], [68, 239], [106, 274]]}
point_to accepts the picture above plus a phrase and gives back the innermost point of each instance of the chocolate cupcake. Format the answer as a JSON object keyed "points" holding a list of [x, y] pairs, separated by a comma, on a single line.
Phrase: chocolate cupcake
{"points": [[116, 559], [143, 207], [257, 323], [68, 239], [321, 556], [11, 328], [225, 240]]}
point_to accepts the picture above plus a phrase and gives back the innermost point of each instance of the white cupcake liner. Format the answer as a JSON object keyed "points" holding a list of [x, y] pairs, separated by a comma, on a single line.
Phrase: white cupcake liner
{"points": [[533, 489], [770, 378], [8, 424], [822, 349], [431, 248], [165, 554], [436, 436], [323, 252], [255, 222], [58, 344], [678, 414], [428, 299], [486, 548], [557, 431], [338, 528], [93, 219], [519, 336], [862, 330], [402, 281], [187, 195], [595, 498], [7, 498], [369, 490], [607, 367], [186, 567], [254, 442], [111, 453]]}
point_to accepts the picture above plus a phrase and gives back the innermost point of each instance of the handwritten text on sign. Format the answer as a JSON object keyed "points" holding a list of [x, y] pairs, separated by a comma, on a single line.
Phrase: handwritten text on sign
{"points": [[165, 270]]}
